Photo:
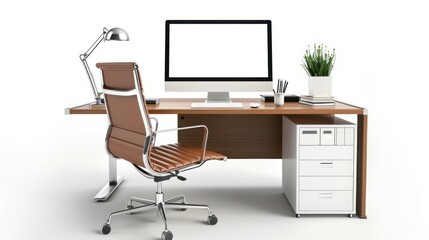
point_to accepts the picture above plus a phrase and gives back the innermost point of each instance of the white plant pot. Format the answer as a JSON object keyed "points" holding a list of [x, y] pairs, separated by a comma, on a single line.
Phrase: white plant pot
{"points": [[320, 86]]}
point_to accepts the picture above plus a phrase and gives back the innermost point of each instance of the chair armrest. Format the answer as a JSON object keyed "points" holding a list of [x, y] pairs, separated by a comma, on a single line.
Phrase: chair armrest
{"points": [[156, 128], [182, 128], [156, 123], [205, 136]]}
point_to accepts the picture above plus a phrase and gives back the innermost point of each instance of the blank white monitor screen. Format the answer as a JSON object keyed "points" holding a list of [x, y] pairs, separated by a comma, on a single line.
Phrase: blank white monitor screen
{"points": [[218, 50]]}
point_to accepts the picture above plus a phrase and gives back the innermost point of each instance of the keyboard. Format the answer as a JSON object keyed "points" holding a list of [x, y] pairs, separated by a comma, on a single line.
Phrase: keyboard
{"points": [[216, 105]]}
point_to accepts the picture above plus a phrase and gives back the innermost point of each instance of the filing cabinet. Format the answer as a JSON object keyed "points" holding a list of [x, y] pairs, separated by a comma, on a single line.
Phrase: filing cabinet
{"points": [[319, 164]]}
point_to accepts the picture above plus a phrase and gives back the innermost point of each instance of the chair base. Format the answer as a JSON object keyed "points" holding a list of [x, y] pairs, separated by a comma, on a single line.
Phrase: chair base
{"points": [[108, 189], [161, 206]]}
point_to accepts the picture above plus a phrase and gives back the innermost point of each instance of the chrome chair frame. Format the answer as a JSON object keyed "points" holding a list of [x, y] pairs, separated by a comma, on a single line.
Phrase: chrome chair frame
{"points": [[159, 203]]}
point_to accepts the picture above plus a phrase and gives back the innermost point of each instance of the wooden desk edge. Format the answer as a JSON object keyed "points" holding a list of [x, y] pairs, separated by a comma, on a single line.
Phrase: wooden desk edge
{"points": [[364, 110], [91, 109], [85, 109]]}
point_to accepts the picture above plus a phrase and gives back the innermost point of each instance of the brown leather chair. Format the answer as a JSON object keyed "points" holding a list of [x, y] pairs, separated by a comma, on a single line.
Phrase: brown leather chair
{"points": [[131, 136]]}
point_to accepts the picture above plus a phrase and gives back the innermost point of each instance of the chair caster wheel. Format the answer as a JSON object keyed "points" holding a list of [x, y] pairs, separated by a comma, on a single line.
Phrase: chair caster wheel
{"points": [[350, 215], [298, 215], [212, 219], [167, 235], [106, 229]]}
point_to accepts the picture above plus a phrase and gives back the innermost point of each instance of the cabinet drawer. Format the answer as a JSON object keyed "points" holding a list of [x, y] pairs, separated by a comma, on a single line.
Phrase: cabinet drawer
{"points": [[327, 136], [326, 152], [326, 168], [309, 136], [326, 183], [326, 201]]}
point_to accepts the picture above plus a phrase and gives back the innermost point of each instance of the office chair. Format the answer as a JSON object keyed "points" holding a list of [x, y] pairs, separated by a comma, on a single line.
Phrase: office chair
{"points": [[131, 136]]}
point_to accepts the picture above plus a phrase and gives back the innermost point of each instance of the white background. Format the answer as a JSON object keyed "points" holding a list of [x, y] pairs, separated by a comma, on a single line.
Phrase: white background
{"points": [[381, 65]]}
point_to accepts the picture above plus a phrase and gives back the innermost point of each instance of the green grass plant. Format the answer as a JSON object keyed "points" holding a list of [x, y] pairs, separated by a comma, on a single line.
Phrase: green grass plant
{"points": [[319, 62]]}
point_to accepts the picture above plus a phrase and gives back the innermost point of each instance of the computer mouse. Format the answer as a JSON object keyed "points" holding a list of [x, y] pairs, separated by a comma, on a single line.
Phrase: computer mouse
{"points": [[254, 104]]}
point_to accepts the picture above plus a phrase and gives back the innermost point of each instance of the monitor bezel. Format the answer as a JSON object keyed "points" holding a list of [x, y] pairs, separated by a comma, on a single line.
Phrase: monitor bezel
{"points": [[269, 78]]}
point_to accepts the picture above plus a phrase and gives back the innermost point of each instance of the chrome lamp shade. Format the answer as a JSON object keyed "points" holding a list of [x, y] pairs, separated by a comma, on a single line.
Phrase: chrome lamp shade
{"points": [[117, 34], [114, 34]]}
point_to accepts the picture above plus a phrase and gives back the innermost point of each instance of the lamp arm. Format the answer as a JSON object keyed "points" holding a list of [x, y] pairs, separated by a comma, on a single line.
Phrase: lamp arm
{"points": [[83, 58], [95, 91], [94, 45]]}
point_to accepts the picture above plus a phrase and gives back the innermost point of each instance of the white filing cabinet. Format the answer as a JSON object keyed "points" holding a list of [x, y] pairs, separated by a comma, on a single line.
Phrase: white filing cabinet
{"points": [[319, 164]]}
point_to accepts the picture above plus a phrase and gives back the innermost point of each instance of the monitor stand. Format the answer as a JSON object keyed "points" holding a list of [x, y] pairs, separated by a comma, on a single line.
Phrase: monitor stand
{"points": [[218, 97]]}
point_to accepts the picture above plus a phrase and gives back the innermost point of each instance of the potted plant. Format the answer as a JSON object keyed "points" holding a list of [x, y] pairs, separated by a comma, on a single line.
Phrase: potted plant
{"points": [[318, 65]]}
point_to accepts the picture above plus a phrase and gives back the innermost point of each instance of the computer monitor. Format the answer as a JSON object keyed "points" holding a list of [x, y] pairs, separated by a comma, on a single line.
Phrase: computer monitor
{"points": [[218, 57]]}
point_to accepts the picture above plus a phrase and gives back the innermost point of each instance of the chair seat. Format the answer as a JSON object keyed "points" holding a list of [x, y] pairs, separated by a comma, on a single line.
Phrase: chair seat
{"points": [[174, 156]]}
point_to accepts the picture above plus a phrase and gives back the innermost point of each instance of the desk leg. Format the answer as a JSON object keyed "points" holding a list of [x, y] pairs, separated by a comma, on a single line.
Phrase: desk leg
{"points": [[361, 165], [114, 181]]}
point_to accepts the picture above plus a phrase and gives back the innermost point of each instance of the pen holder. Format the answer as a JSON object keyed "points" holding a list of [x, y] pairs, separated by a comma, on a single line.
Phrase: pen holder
{"points": [[279, 99]]}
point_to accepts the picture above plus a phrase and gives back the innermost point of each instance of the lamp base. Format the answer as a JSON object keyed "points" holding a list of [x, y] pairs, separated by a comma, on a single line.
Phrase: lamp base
{"points": [[98, 101]]}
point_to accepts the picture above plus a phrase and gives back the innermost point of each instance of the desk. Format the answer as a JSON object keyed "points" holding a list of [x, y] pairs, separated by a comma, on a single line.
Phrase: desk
{"points": [[245, 132]]}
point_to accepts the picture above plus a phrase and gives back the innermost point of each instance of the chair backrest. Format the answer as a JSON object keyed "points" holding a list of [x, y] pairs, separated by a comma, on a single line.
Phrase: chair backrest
{"points": [[129, 120]]}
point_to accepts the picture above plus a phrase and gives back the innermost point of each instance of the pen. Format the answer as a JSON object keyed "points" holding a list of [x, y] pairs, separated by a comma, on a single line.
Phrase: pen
{"points": [[274, 91], [278, 84]]}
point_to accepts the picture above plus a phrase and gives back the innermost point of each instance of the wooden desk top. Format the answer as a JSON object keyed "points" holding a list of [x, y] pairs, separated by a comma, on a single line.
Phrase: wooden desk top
{"points": [[183, 106]]}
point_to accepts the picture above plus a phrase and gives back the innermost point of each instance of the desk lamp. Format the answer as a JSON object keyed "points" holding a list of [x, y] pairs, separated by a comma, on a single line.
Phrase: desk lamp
{"points": [[115, 34]]}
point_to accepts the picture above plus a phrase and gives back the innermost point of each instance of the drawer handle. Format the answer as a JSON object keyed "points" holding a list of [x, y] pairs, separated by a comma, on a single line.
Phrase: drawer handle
{"points": [[327, 132], [326, 164], [325, 195], [309, 132]]}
